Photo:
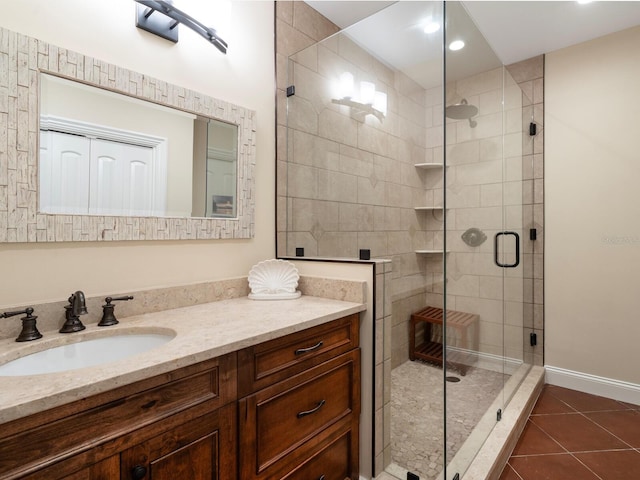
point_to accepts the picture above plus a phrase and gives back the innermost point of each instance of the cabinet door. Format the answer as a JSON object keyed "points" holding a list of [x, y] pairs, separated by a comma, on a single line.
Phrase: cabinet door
{"points": [[201, 449]]}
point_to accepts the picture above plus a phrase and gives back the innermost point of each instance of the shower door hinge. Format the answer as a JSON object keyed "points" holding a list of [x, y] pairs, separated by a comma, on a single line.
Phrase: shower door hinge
{"points": [[499, 415], [291, 90], [533, 234], [533, 339], [412, 476]]}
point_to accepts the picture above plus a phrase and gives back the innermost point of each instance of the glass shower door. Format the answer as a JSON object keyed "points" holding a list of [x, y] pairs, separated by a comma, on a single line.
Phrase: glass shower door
{"points": [[484, 288]]}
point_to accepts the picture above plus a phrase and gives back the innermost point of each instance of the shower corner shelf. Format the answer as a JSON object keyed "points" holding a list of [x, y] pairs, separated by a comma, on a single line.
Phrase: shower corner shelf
{"points": [[427, 208], [427, 251], [429, 165]]}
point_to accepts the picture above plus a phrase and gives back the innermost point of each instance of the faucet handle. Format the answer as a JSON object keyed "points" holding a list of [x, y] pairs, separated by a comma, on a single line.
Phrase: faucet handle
{"points": [[114, 299], [28, 311], [108, 317], [29, 330]]}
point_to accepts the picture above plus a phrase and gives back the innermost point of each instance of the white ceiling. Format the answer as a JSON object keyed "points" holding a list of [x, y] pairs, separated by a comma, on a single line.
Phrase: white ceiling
{"points": [[515, 30], [520, 30]]}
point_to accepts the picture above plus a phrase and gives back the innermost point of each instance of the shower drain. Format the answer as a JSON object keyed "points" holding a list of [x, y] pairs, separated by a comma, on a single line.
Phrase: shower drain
{"points": [[452, 379]]}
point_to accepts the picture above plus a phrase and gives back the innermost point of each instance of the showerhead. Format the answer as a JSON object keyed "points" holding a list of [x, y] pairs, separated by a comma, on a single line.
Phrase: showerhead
{"points": [[461, 111]]}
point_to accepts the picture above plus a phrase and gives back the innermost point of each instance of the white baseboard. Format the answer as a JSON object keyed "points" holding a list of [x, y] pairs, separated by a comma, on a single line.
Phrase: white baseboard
{"points": [[602, 386]]}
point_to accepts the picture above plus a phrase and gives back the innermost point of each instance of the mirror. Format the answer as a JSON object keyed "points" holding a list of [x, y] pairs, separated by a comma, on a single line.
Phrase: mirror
{"points": [[98, 152], [104, 153]]}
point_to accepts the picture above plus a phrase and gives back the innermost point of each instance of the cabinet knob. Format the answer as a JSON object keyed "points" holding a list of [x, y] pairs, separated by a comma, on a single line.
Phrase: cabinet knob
{"points": [[138, 472]]}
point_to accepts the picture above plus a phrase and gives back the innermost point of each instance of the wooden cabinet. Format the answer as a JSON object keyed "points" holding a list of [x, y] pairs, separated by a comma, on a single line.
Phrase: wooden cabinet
{"points": [[300, 417], [153, 424], [297, 419]]}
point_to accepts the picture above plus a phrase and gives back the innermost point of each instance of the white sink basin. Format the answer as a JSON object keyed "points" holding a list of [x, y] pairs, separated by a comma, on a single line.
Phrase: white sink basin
{"points": [[88, 352]]}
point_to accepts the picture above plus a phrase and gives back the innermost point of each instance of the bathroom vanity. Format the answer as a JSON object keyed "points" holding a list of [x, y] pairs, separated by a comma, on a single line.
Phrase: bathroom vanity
{"points": [[280, 402]]}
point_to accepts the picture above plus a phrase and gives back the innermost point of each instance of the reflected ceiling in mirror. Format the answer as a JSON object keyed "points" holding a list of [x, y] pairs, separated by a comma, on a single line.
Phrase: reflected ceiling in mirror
{"points": [[194, 208]]}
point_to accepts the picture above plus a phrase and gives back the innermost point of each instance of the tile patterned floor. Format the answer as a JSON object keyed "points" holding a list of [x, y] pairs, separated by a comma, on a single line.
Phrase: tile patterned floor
{"points": [[577, 436]]}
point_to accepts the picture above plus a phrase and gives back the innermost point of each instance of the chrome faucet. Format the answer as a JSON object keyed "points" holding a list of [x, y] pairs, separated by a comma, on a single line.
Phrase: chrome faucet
{"points": [[76, 307]]}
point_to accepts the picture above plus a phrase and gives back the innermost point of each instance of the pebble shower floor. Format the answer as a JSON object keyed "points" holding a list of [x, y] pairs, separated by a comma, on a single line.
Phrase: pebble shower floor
{"points": [[417, 412]]}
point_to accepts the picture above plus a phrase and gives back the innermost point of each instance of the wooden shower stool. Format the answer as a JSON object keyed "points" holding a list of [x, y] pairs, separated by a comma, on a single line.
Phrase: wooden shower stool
{"points": [[431, 351]]}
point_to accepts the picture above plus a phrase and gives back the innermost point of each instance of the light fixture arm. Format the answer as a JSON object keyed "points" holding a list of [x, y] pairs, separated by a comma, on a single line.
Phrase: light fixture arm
{"points": [[361, 109], [166, 8]]}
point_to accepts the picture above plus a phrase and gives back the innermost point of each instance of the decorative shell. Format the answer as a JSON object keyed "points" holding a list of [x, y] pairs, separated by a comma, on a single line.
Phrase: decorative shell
{"points": [[273, 280]]}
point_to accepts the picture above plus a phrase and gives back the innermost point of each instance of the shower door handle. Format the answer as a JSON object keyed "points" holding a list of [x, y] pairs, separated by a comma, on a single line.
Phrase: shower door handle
{"points": [[496, 250]]}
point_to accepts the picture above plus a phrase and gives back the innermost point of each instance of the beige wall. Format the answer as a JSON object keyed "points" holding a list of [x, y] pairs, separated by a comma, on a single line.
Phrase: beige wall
{"points": [[592, 168], [245, 76]]}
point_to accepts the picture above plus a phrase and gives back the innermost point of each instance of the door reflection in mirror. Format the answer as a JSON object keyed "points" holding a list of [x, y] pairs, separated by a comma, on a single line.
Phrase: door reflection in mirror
{"points": [[104, 153], [215, 167]]}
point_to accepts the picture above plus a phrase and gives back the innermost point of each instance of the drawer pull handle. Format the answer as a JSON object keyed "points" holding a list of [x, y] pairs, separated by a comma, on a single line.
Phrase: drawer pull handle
{"points": [[149, 404], [300, 351], [321, 477], [313, 410]]}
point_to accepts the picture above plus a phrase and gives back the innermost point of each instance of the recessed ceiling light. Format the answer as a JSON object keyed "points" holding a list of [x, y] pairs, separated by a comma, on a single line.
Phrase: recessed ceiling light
{"points": [[456, 45], [431, 27], [582, 2]]}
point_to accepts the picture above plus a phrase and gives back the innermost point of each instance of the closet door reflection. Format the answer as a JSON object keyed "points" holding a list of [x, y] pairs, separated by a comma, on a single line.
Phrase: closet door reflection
{"points": [[83, 175]]}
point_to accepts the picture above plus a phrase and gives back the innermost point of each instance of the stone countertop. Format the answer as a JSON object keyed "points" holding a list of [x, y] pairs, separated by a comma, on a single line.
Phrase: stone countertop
{"points": [[201, 332]]}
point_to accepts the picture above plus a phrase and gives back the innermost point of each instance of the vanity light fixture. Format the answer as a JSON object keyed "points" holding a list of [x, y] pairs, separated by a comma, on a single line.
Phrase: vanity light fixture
{"points": [[368, 101], [161, 18]]}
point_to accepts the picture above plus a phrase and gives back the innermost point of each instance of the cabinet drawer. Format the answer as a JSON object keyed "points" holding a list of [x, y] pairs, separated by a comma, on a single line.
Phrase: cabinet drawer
{"points": [[297, 414], [334, 462], [99, 419], [270, 362]]}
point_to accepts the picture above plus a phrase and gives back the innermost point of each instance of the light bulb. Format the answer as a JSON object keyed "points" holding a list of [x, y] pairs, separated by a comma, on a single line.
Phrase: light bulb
{"points": [[346, 85], [380, 102], [367, 92]]}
